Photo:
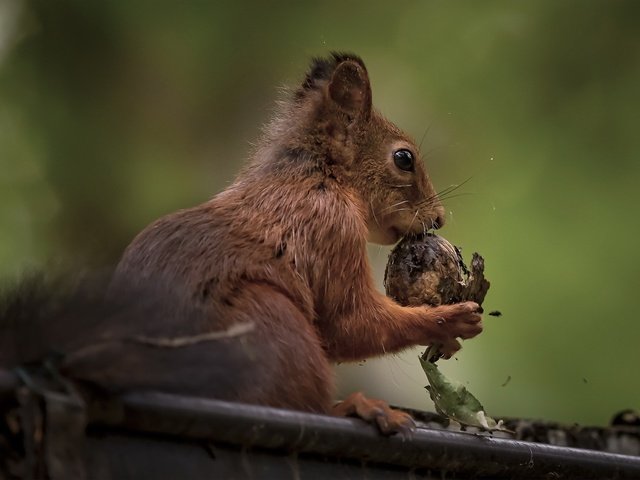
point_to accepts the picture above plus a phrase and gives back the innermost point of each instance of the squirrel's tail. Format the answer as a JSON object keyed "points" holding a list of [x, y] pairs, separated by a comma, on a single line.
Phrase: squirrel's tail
{"points": [[41, 315], [139, 335]]}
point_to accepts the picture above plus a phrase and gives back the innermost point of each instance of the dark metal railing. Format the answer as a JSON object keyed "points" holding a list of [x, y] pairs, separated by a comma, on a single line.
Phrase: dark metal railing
{"points": [[210, 437]]}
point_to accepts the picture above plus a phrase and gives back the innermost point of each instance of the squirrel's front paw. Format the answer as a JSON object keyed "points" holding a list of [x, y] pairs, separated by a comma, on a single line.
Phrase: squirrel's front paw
{"points": [[463, 320]]}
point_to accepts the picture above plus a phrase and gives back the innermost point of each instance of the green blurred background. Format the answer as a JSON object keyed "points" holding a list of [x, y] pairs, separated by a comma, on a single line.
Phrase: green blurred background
{"points": [[114, 113]]}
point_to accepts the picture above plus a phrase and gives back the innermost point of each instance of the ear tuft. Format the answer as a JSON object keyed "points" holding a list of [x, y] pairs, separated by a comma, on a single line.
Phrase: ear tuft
{"points": [[322, 69]]}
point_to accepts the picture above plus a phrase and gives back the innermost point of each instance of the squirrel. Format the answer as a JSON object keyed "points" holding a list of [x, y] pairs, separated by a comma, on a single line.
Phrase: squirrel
{"points": [[282, 251]]}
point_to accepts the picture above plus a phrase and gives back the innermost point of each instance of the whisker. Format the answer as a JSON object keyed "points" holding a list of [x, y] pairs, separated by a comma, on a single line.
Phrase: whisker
{"points": [[444, 192], [453, 187], [399, 210], [461, 183], [412, 220], [373, 212], [431, 151], [436, 196], [429, 201], [424, 135], [461, 194], [394, 205]]}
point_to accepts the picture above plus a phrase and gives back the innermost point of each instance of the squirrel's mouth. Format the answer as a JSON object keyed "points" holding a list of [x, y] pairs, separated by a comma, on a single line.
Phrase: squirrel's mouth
{"points": [[406, 232], [396, 233], [415, 230], [384, 236], [390, 234]]}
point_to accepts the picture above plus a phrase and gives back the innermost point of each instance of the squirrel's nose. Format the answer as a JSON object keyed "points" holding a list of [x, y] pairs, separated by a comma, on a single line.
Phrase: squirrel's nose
{"points": [[438, 222]]}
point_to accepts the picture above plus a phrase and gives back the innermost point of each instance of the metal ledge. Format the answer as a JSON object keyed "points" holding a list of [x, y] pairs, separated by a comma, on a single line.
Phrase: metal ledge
{"points": [[249, 426], [169, 436]]}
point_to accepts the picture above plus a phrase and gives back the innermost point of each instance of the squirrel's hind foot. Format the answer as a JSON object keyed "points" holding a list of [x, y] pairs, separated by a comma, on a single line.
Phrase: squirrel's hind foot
{"points": [[378, 412]]}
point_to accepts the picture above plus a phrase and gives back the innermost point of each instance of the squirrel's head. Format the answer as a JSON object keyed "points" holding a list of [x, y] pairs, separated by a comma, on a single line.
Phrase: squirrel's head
{"points": [[364, 151]]}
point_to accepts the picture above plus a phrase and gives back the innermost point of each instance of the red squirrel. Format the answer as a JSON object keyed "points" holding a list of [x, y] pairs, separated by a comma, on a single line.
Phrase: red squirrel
{"points": [[252, 295], [284, 247]]}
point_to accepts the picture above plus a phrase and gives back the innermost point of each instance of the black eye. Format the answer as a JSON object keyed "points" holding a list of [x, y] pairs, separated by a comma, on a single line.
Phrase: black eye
{"points": [[403, 159]]}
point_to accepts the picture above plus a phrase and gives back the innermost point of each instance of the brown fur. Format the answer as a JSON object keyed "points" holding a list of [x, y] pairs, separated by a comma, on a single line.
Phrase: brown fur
{"points": [[285, 245]]}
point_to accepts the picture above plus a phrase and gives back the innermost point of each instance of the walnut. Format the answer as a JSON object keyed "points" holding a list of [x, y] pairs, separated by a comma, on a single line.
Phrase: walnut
{"points": [[427, 269]]}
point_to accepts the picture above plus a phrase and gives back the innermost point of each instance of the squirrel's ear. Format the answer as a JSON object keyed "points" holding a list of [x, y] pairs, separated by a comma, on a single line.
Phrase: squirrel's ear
{"points": [[349, 88]]}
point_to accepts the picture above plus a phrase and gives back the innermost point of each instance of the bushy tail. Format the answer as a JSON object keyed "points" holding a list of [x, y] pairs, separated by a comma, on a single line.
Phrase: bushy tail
{"points": [[134, 335]]}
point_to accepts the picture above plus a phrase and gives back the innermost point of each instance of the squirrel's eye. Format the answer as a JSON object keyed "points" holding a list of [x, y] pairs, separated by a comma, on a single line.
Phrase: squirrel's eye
{"points": [[403, 159]]}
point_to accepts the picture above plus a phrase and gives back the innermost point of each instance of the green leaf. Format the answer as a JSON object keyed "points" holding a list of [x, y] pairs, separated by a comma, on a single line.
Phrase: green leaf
{"points": [[453, 400]]}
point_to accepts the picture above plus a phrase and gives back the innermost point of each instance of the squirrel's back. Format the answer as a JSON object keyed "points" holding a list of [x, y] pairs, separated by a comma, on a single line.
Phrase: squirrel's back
{"points": [[281, 227]]}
